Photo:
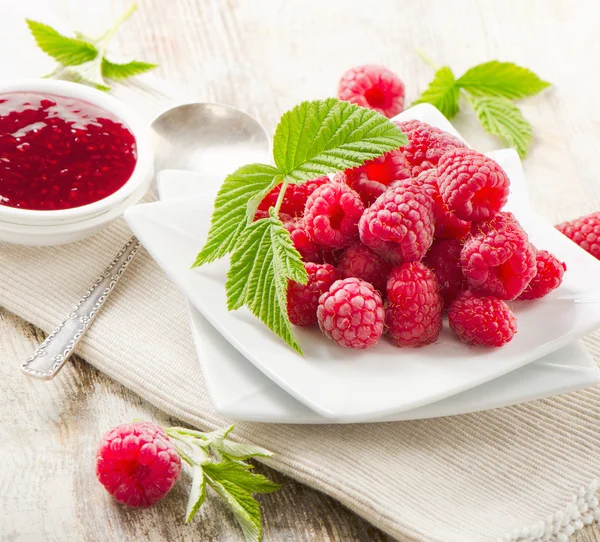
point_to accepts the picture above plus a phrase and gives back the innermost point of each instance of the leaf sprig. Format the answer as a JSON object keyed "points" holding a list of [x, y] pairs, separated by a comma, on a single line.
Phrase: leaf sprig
{"points": [[84, 59], [312, 139], [490, 89], [219, 463]]}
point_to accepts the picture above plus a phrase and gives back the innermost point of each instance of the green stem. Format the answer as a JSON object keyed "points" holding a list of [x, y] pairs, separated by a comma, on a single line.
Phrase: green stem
{"points": [[183, 455], [427, 59], [108, 35], [279, 201], [185, 431]]}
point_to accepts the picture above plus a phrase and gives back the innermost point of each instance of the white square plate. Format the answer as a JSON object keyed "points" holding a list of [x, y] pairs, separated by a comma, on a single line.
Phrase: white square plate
{"points": [[344, 385], [241, 392]]}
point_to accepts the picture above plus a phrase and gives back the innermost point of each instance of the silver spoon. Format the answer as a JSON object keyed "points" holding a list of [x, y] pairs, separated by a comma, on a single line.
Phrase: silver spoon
{"points": [[210, 138]]}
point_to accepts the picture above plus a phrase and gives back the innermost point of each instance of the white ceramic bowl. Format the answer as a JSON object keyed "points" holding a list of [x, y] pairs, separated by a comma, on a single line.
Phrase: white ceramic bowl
{"points": [[14, 220], [62, 234]]}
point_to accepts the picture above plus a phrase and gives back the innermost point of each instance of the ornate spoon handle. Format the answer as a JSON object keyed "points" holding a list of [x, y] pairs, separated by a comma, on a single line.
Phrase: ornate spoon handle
{"points": [[52, 354]]}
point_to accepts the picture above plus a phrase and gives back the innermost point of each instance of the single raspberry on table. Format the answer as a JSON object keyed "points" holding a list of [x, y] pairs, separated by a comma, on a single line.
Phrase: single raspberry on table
{"points": [[585, 231], [373, 178], [399, 226], [303, 299], [413, 313], [499, 260], [137, 463], [351, 313], [482, 320], [472, 185], [361, 262], [308, 249], [444, 260], [550, 271], [426, 144], [294, 199], [374, 87], [331, 215], [447, 224]]}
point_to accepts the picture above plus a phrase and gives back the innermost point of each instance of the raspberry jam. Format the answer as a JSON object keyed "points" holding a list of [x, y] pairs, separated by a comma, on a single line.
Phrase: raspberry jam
{"points": [[58, 152]]}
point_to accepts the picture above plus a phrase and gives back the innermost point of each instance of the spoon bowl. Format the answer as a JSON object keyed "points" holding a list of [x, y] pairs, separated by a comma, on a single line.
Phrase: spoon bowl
{"points": [[210, 138]]}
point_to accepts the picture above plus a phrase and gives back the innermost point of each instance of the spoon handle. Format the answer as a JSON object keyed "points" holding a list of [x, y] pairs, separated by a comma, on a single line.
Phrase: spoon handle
{"points": [[52, 354]]}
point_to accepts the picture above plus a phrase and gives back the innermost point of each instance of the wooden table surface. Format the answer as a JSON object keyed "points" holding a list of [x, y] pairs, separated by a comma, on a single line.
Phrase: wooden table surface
{"points": [[263, 57]]}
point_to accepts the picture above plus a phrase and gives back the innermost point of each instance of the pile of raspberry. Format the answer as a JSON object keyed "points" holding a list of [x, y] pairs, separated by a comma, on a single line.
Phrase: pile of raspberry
{"points": [[393, 245]]}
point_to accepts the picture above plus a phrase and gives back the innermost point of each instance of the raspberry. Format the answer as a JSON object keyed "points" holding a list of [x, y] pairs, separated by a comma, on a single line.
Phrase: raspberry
{"points": [[447, 224], [471, 184], [549, 275], [374, 87], [413, 313], [361, 262], [426, 144], [444, 260], [499, 260], [137, 464], [303, 299], [482, 321], [294, 199], [585, 231], [399, 225], [308, 249], [351, 313], [331, 215], [372, 178]]}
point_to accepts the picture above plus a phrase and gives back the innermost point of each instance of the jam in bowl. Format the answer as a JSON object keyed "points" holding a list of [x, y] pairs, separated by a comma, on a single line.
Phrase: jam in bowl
{"points": [[68, 154], [59, 152]]}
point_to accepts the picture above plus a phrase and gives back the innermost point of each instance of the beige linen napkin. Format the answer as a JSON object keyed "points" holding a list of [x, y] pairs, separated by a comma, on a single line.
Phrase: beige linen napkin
{"points": [[515, 473]]}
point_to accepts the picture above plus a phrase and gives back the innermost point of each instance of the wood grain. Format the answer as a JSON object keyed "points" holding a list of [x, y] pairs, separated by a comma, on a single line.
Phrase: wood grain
{"points": [[48, 490], [265, 57]]}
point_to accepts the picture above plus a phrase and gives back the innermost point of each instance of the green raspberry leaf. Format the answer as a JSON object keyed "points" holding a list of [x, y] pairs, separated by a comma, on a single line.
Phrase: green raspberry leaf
{"points": [[238, 450], [113, 70], [241, 475], [442, 93], [197, 493], [501, 79], [502, 118], [263, 261], [245, 508], [67, 51], [229, 217], [326, 136], [89, 73]]}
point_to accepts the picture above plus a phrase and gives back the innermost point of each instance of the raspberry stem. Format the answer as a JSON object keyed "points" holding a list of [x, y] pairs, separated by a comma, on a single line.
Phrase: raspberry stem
{"points": [[279, 201], [427, 59]]}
